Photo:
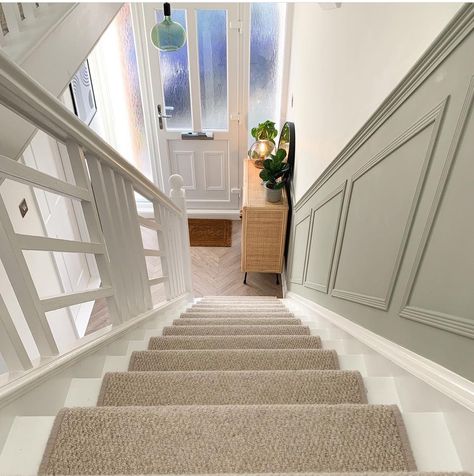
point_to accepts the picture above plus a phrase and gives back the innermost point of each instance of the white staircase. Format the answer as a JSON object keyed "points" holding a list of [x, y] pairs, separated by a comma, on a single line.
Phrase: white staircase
{"points": [[432, 433]]}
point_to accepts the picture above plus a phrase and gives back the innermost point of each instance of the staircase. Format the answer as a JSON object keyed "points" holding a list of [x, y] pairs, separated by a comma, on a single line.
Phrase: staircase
{"points": [[227, 388]]}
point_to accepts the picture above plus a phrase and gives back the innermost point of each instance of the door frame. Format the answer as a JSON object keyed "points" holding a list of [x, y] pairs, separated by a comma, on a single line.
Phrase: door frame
{"points": [[161, 169]]}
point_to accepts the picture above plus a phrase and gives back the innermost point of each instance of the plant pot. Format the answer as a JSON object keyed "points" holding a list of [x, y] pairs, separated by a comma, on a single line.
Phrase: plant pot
{"points": [[272, 195]]}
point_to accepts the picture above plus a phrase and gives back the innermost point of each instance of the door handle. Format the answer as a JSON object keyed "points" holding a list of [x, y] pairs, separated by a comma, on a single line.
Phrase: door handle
{"points": [[162, 116]]}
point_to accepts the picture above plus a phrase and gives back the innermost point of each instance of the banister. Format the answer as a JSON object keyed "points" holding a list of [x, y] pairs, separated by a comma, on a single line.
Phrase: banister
{"points": [[27, 98]]}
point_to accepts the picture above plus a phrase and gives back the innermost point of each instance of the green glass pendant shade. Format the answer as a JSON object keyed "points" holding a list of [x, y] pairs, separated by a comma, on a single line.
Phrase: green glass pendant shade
{"points": [[168, 35]]}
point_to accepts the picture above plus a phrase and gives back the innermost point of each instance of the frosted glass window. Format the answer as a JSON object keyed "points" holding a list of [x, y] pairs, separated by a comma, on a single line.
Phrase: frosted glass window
{"points": [[212, 45], [174, 67], [114, 73], [267, 37]]}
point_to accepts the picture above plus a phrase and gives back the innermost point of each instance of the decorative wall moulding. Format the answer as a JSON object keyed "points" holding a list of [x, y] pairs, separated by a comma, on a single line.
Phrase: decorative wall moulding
{"points": [[433, 119], [454, 33], [448, 322], [338, 193], [305, 222]]}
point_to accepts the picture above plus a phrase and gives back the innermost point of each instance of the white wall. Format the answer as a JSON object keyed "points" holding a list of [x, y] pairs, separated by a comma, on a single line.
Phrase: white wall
{"points": [[344, 63]]}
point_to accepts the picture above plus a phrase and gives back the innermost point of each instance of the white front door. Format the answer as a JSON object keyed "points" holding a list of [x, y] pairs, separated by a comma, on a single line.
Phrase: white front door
{"points": [[195, 89]]}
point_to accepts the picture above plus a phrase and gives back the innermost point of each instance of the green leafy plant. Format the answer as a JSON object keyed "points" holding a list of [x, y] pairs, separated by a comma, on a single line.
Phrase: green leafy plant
{"points": [[265, 131], [275, 171]]}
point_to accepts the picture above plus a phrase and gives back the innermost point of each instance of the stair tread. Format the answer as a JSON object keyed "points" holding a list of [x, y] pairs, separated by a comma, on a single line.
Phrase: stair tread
{"points": [[236, 321], [234, 359], [236, 330], [235, 342], [223, 439], [232, 388]]}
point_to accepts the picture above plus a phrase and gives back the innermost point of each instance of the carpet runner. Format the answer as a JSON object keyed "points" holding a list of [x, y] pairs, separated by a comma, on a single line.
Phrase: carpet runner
{"points": [[232, 388]]}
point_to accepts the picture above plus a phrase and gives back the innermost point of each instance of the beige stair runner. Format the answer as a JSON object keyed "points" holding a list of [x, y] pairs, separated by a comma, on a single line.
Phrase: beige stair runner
{"points": [[223, 395], [235, 342]]}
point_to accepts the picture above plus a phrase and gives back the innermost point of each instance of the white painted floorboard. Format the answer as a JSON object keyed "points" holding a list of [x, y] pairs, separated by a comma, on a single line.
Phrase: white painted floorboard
{"points": [[430, 437]]}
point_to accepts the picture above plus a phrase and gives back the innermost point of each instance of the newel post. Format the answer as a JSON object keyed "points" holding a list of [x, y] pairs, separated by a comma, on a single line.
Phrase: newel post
{"points": [[178, 196]]}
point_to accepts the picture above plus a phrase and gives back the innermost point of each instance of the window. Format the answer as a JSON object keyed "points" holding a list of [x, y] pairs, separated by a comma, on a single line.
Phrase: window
{"points": [[267, 43], [212, 46], [174, 66], [114, 71]]}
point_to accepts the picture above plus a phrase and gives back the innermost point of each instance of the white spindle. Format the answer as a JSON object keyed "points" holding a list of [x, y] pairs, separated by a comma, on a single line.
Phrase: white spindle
{"points": [[119, 216], [20, 278], [81, 176], [158, 212], [12, 16], [136, 244], [171, 252], [30, 11], [111, 233], [11, 346], [178, 195]]}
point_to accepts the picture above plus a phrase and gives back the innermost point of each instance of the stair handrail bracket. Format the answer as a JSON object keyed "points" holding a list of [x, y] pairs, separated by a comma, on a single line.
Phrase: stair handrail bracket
{"points": [[105, 186]]}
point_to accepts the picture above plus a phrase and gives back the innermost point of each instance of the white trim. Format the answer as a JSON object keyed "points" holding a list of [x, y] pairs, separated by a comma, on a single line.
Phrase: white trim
{"points": [[215, 214], [91, 344], [284, 285], [442, 379], [145, 209], [146, 93]]}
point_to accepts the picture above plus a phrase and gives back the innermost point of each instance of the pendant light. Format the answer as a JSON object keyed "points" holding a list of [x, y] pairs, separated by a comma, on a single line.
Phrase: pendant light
{"points": [[168, 35]]}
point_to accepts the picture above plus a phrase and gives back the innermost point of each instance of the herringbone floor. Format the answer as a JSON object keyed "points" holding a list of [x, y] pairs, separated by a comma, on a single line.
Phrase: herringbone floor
{"points": [[216, 272]]}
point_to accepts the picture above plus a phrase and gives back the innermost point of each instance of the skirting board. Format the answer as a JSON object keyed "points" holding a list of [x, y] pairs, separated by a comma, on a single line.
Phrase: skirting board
{"points": [[442, 379]]}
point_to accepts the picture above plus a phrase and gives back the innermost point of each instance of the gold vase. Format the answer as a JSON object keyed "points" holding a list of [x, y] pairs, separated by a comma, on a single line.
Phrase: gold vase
{"points": [[259, 151]]}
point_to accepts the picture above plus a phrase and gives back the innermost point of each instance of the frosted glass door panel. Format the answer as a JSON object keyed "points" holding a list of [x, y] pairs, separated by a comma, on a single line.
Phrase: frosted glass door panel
{"points": [[114, 73], [212, 46], [266, 62], [174, 67]]}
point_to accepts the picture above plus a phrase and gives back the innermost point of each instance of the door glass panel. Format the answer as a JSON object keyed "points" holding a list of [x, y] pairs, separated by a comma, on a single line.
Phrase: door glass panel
{"points": [[115, 82], [174, 68], [212, 46], [267, 37]]}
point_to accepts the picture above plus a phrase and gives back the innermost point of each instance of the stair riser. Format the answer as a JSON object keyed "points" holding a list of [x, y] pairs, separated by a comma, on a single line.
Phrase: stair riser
{"points": [[236, 330], [241, 315], [236, 322], [234, 342]]}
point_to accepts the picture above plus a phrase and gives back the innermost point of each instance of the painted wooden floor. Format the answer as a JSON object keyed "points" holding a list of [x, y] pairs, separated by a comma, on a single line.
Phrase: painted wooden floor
{"points": [[216, 272]]}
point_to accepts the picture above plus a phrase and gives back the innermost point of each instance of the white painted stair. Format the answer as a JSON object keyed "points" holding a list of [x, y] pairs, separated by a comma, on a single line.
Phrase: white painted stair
{"points": [[432, 430]]}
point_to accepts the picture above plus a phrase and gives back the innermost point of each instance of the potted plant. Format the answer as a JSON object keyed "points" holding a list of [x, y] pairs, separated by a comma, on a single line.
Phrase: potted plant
{"points": [[265, 131], [264, 144], [274, 175]]}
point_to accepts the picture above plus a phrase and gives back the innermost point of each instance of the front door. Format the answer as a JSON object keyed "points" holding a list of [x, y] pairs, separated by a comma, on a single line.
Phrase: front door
{"points": [[195, 90]]}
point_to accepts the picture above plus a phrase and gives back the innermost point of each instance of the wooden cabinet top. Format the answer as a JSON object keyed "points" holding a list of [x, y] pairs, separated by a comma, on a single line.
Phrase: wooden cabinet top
{"points": [[254, 192]]}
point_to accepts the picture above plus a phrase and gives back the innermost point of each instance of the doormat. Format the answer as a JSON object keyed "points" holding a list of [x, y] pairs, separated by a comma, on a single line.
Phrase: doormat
{"points": [[210, 232]]}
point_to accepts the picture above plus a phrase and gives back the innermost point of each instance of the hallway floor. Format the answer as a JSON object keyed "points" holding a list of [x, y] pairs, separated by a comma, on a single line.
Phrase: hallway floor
{"points": [[216, 272]]}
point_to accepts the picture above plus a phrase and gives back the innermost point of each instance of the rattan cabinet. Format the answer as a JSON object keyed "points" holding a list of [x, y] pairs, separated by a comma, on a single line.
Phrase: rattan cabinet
{"points": [[263, 226]]}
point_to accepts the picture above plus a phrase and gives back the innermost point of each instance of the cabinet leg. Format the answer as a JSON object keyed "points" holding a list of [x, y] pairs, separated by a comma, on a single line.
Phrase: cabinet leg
{"points": [[245, 278], [278, 278]]}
